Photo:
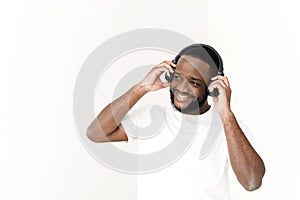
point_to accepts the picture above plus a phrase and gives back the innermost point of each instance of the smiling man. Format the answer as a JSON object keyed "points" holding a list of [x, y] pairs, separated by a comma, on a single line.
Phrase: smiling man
{"points": [[188, 88], [195, 73]]}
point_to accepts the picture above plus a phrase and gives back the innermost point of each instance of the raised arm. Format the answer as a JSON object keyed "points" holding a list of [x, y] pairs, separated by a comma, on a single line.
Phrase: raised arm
{"points": [[246, 163], [107, 126]]}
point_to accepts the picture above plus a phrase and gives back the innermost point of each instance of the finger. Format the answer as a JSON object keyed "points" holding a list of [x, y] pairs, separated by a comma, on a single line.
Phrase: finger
{"points": [[166, 65], [217, 82], [220, 87], [166, 84], [226, 81], [218, 77], [169, 67], [166, 69], [170, 63], [223, 78]]}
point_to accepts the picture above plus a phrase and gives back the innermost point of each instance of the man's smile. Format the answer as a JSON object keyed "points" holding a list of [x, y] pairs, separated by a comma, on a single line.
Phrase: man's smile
{"points": [[181, 97]]}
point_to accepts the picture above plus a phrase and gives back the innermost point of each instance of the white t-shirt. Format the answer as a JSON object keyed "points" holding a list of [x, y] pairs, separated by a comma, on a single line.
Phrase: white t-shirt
{"points": [[200, 172]]}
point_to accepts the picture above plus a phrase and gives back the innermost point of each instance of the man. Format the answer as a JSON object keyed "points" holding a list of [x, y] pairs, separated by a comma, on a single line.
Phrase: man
{"points": [[194, 74]]}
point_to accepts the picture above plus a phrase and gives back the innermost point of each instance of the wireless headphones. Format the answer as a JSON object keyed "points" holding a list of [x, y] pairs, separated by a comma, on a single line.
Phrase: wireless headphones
{"points": [[203, 49]]}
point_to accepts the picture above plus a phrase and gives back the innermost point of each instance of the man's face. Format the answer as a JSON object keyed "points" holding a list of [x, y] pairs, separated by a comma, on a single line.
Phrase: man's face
{"points": [[188, 87]]}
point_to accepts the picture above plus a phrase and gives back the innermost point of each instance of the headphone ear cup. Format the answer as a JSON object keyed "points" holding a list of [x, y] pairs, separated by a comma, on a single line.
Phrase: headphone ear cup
{"points": [[169, 78], [214, 92]]}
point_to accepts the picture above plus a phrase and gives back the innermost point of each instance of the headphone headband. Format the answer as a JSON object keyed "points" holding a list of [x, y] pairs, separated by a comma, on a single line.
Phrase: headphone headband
{"points": [[213, 54]]}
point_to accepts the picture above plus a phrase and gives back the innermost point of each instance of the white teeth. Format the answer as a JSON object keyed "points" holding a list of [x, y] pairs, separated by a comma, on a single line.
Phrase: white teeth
{"points": [[181, 97]]}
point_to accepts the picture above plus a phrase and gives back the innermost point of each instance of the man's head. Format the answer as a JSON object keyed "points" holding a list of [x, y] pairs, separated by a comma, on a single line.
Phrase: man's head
{"points": [[195, 65]]}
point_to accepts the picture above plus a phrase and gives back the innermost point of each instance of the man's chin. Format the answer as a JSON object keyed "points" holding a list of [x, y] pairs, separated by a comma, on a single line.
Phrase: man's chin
{"points": [[180, 106], [186, 107]]}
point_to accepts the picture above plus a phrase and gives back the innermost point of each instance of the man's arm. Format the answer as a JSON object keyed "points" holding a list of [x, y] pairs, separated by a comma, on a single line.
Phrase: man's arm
{"points": [[246, 163], [107, 126]]}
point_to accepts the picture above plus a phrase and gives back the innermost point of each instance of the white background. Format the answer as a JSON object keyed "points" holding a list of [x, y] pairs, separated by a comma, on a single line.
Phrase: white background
{"points": [[44, 43]]}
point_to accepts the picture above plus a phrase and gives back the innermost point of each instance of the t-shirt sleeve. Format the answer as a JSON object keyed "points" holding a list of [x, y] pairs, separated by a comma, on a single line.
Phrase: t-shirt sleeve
{"points": [[135, 120]]}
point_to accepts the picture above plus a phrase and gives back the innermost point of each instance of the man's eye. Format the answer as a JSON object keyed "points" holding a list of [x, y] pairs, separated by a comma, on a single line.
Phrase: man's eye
{"points": [[195, 83], [177, 77]]}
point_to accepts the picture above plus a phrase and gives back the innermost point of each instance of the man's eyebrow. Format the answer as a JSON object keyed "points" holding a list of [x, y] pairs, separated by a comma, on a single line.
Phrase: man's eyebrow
{"points": [[192, 78], [196, 79]]}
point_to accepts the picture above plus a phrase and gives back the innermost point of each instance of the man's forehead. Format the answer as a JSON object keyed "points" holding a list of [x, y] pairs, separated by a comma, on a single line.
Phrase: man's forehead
{"points": [[193, 65]]}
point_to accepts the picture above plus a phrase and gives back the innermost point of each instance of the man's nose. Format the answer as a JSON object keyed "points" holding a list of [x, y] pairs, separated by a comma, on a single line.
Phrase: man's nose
{"points": [[183, 86]]}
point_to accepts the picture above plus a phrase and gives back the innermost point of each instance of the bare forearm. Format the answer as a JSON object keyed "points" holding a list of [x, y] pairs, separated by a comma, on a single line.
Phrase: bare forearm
{"points": [[110, 117], [106, 127], [246, 163]]}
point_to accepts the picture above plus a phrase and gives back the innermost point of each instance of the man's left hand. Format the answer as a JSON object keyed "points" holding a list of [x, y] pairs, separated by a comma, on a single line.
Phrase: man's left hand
{"points": [[222, 101]]}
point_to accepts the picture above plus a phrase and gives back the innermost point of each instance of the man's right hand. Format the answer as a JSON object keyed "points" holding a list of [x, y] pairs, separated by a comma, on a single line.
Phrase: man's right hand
{"points": [[152, 80]]}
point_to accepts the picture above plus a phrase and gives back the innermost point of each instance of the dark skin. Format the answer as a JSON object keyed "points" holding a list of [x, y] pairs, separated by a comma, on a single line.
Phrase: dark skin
{"points": [[188, 86]]}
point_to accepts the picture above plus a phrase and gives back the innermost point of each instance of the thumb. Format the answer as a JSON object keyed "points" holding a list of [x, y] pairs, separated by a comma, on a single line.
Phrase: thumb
{"points": [[166, 84]]}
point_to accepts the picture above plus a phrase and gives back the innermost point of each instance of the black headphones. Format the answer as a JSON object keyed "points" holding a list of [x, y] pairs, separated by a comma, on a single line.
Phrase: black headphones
{"points": [[212, 53]]}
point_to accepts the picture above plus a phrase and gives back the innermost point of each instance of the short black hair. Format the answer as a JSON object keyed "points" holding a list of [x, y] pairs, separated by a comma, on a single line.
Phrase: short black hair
{"points": [[205, 53]]}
